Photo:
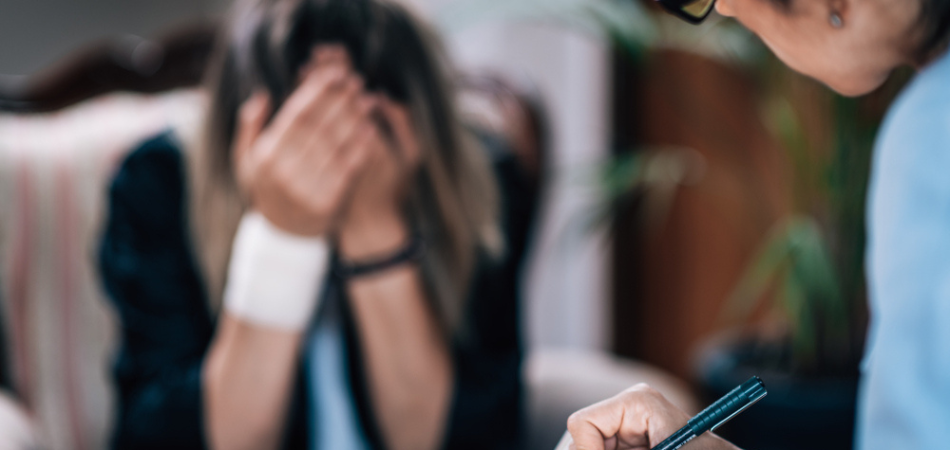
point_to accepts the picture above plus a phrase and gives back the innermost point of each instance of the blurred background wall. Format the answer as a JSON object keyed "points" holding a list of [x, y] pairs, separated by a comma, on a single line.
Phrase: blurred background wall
{"points": [[567, 285]]}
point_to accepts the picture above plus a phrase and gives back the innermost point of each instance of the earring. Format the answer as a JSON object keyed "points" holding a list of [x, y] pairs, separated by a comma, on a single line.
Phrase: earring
{"points": [[835, 19]]}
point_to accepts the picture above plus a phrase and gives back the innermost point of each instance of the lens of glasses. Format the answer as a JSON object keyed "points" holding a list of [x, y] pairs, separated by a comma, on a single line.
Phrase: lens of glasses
{"points": [[698, 8]]}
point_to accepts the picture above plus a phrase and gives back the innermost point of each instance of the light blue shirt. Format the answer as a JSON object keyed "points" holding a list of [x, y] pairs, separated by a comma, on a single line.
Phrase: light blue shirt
{"points": [[336, 424], [905, 387]]}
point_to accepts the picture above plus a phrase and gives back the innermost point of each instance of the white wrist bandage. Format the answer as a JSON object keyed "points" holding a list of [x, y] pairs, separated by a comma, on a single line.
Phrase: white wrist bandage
{"points": [[275, 278]]}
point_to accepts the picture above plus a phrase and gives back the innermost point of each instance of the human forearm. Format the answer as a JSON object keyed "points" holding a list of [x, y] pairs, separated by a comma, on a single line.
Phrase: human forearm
{"points": [[405, 350], [247, 380], [407, 359], [274, 281]]}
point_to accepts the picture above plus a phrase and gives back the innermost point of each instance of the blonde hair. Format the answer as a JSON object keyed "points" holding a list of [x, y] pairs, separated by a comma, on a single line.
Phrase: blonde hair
{"points": [[453, 203]]}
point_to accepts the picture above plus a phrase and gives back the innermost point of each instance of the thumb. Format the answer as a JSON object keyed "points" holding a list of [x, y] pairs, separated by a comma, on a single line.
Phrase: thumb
{"points": [[251, 120]]}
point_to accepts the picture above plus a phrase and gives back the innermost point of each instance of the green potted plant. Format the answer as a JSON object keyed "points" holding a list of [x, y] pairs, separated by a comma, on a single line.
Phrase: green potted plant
{"points": [[799, 311]]}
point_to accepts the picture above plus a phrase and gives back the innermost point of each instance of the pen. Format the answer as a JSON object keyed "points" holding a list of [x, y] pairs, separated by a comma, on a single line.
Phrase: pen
{"points": [[727, 407]]}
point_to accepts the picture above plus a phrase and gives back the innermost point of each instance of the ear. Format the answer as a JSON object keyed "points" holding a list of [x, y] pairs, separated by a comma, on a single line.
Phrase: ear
{"points": [[838, 12]]}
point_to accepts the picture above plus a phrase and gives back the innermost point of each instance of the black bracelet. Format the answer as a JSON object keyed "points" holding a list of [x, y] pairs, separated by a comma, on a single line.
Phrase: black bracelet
{"points": [[411, 252]]}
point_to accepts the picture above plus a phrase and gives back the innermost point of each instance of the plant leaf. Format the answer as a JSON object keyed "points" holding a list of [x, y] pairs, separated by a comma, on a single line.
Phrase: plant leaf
{"points": [[765, 267]]}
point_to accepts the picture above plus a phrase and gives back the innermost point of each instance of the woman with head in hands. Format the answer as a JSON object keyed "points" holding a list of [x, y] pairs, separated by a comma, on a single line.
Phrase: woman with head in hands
{"points": [[327, 270]]}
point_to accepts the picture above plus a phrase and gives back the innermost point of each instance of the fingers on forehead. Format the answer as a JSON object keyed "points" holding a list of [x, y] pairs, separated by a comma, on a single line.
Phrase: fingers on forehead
{"points": [[340, 107], [331, 54], [329, 67], [309, 95], [325, 55]]}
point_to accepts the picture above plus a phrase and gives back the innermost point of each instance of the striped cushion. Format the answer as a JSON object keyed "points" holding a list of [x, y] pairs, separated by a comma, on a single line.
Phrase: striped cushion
{"points": [[54, 170]]}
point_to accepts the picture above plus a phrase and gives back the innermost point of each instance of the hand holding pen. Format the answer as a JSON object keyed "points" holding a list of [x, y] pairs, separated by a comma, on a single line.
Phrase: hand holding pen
{"points": [[638, 418]]}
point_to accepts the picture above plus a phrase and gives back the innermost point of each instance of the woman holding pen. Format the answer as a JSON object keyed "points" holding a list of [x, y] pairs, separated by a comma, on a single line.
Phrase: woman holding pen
{"points": [[852, 46]]}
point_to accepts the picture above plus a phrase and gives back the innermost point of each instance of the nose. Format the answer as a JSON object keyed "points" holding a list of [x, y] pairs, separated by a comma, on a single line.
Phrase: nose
{"points": [[724, 8]]}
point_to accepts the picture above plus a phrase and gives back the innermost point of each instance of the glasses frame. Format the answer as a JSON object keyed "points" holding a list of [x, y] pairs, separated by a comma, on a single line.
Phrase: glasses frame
{"points": [[675, 7]]}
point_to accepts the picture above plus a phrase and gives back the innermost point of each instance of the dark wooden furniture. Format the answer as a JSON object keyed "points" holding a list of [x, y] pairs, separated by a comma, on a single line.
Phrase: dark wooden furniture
{"points": [[174, 60], [669, 284]]}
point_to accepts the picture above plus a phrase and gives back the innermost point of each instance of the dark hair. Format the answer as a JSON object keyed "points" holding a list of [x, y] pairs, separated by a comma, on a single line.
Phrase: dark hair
{"points": [[454, 201], [271, 40], [935, 23]]}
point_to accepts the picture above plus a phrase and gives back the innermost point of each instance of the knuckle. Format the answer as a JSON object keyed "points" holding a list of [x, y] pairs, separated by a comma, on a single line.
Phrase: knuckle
{"points": [[295, 104], [302, 101], [312, 86], [575, 420], [644, 388], [301, 117], [323, 79]]}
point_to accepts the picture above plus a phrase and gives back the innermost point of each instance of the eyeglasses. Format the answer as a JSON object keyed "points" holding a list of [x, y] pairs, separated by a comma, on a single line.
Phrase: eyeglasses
{"points": [[692, 11]]}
